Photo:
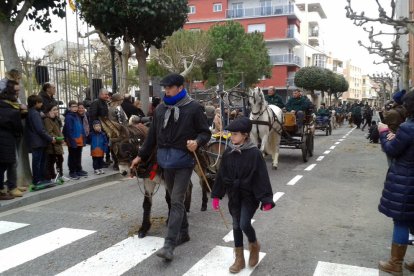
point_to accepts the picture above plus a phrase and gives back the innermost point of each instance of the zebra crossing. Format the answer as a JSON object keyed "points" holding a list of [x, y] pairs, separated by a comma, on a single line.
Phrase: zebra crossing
{"points": [[130, 252]]}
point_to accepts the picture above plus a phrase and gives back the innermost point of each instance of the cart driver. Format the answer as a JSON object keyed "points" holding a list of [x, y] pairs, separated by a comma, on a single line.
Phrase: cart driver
{"points": [[299, 105], [322, 115]]}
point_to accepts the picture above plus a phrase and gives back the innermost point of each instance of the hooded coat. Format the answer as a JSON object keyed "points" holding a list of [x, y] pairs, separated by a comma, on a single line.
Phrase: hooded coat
{"points": [[397, 199], [10, 130]]}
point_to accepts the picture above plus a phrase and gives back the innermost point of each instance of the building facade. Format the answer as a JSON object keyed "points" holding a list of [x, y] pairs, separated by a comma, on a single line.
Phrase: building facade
{"points": [[353, 74], [290, 29]]}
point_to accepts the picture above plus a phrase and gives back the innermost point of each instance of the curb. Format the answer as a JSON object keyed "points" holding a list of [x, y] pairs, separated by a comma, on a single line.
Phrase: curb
{"points": [[72, 186]]}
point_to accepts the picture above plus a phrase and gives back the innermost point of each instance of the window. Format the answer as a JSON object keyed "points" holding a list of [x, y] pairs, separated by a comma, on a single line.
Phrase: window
{"points": [[191, 9], [266, 7], [217, 7], [237, 9], [261, 28]]}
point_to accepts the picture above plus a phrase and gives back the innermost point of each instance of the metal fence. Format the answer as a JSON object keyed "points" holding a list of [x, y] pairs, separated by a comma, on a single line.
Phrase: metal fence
{"points": [[72, 82]]}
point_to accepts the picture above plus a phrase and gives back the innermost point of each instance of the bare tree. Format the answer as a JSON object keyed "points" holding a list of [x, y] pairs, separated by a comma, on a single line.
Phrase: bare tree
{"points": [[392, 55]]}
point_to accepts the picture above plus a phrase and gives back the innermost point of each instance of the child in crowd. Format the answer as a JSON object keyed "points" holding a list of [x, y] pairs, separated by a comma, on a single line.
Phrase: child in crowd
{"points": [[84, 118], [54, 151], [243, 176], [373, 134], [99, 145], [75, 137], [38, 139]]}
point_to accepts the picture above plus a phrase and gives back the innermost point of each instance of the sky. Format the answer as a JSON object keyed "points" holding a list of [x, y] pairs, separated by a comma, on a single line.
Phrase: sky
{"points": [[341, 35]]}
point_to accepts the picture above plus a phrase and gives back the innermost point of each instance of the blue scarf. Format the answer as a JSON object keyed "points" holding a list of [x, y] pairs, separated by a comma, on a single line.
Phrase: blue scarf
{"points": [[174, 99]]}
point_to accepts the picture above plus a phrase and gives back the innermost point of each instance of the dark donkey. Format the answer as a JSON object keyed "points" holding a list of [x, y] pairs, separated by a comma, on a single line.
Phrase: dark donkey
{"points": [[125, 144]]}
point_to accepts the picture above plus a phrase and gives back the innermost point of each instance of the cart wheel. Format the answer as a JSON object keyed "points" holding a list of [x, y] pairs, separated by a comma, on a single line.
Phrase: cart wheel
{"points": [[310, 144], [304, 147]]}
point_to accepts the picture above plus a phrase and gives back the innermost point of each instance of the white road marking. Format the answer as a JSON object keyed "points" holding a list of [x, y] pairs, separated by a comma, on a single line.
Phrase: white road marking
{"points": [[7, 226], [326, 152], [344, 137], [218, 261], [294, 180], [310, 167], [341, 140], [29, 250], [229, 237], [337, 143], [331, 148], [330, 269], [55, 199], [118, 258], [320, 158], [277, 196]]}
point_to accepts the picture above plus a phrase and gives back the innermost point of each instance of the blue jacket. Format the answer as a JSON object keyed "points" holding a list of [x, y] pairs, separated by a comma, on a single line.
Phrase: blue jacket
{"points": [[397, 199], [73, 130], [99, 143], [36, 134]]}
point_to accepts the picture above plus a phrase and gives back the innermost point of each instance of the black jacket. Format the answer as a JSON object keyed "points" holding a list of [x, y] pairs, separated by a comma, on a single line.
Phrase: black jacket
{"points": [[47, 100], [98, 108], [37, 136], [243, 176], [191, 125], [130, 109], [10, 130]]}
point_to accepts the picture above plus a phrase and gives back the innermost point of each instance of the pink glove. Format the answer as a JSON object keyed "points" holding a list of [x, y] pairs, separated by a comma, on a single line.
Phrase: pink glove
{"points": [[215, 203], [267, 206]]}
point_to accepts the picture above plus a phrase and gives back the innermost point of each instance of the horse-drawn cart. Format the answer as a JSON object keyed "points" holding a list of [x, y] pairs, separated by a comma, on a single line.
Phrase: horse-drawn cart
{"points": [[294, 138], [324, 125]]}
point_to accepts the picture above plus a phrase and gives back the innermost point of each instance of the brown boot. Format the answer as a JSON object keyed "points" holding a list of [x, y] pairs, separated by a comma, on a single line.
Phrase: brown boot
{"points": [[394, 264], [254, 248], [239, 263]]}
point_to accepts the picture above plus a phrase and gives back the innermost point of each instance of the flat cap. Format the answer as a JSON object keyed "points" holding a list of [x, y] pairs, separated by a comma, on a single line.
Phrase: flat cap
{"points": [[172, 79], [243, 124]]}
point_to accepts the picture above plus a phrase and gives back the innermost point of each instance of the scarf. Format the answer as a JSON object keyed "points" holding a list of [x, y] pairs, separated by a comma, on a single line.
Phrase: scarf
{"points": [[239, 148], [174, 103]]}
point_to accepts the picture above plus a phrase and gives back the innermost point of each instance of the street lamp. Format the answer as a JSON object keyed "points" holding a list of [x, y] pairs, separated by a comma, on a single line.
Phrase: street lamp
{"points": [[112, 49], [219, 64]]}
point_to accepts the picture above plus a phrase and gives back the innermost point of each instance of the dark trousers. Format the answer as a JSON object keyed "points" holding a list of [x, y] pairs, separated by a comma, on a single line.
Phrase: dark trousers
{"points": [[75, 159], [97, 163], [300, 117], [368, 121], [53, 159], [38, 164], [177, 181], [11, 177], [242, 223]]}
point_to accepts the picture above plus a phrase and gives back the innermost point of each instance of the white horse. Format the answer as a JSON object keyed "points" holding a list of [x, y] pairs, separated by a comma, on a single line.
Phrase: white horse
{"points": [[267, 123]]}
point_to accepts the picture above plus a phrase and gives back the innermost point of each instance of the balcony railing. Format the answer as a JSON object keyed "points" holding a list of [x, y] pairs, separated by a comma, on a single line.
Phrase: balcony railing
{"points": [[292, 33], [314, 34], [286, 59], [261, 11]]}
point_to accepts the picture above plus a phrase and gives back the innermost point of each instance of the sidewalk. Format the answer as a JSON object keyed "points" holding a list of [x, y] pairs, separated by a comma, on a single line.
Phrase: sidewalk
{"points": [[68, 187]]}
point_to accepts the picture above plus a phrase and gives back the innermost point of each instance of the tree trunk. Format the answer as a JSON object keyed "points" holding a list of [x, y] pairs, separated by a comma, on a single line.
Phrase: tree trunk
{"points": [[405, 76], [12, 61], [143, 76], [124, 74]]}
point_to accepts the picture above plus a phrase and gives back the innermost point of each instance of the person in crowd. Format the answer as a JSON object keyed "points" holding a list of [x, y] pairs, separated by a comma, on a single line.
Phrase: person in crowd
{"points": [[373, 134], [368, 113], [273, 98], [178, 128], [47, 94], [13, 75], [322, 115], [116, 113], [99, 109], [396, 113], [299, 105], [243, 176], [99, 144], [138, 105], [54, 151], [84, 118], [11, 130], [356, 114], [129, 107], [153, 105], [75, 138], [210, 113], [398, 194], [38, 139], [217, 121]]}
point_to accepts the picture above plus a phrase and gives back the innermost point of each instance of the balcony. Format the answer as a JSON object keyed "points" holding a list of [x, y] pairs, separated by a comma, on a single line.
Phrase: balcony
{"points": [[263, 11], [287, 59]]}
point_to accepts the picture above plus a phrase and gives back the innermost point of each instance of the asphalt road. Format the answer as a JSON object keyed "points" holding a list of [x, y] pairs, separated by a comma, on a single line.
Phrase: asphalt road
{"points": [[325, 222]]}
